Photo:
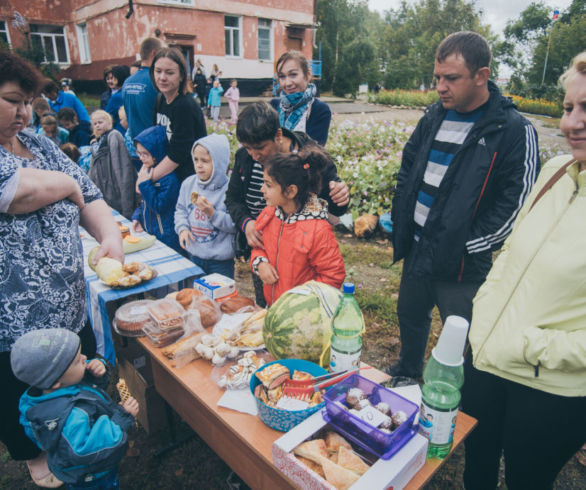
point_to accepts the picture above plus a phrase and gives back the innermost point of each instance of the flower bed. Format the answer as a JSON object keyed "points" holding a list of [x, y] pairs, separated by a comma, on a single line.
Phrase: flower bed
{"points": [[409, 98], [537, 106], [368, 157]]}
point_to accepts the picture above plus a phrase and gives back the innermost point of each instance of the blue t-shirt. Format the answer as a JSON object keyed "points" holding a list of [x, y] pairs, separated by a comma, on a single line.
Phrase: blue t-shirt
{"points": [[139, 97]]}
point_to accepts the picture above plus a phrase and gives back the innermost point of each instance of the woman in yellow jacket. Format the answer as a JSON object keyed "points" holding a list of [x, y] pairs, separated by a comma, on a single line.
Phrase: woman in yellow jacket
{"points": [[526, 380]]}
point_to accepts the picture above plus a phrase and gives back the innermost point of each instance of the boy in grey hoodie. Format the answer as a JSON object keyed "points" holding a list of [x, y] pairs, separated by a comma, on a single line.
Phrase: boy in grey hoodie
{"points": [[205, 229]]}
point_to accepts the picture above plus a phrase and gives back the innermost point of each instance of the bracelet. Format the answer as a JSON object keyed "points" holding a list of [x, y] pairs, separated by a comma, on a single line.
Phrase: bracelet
{"points": [[244, 223]]}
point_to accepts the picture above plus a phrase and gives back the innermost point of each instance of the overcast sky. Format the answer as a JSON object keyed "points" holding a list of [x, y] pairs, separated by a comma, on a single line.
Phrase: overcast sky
{"points": [[496, 13]]}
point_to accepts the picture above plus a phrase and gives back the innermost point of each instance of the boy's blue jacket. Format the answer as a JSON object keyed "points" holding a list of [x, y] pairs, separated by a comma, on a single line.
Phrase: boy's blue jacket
{"points": [[156, 212], [82, 430], [214, 236]]}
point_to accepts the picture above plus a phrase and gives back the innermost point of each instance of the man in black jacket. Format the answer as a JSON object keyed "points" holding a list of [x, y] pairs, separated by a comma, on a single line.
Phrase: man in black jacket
{"points": [[260, 133], [465, 173]]}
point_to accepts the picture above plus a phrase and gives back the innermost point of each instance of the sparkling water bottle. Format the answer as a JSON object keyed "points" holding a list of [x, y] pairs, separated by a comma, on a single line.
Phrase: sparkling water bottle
{"points": [[347, 328], [443, 377]]}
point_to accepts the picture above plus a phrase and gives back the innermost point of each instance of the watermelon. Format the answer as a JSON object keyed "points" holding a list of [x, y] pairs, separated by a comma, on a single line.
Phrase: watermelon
{"points": [[298, 324]]}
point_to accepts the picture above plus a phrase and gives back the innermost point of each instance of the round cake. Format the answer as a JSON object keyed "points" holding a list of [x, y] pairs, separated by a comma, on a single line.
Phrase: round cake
{"points": [[131, 317]]}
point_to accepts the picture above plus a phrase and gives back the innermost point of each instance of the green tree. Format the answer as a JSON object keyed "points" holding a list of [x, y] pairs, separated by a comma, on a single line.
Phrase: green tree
{"points": [[535, 37], [413, 32], [348, 54]]}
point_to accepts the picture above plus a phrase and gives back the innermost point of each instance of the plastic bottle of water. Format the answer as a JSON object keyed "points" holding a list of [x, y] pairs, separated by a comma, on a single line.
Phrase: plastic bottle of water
{"points": [[443, 377], [347, 328]]}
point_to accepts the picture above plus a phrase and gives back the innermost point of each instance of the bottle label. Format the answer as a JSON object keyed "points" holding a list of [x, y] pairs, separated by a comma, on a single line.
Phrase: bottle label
{"points": [[437, 426], [340, 361]]}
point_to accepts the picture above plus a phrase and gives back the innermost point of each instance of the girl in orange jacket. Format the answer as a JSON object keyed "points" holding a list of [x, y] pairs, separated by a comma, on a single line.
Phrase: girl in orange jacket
{"points": [[299, 243]]}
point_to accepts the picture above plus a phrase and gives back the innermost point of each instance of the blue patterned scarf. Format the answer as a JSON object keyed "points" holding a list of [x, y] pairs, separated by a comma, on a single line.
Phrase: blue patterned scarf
{"points": [[293, 106]]}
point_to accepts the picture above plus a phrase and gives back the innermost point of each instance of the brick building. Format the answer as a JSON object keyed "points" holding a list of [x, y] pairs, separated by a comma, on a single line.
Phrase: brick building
{"points": [[244, 38]]}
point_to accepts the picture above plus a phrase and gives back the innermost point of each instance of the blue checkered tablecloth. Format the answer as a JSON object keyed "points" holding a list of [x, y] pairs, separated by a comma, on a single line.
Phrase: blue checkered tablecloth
{"points": [[171, 267]]}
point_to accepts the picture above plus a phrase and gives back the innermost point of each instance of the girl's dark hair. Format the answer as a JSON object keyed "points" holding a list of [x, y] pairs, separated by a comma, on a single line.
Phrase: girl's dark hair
{"points": [[15, 69], [174, 55], [303, 169]]}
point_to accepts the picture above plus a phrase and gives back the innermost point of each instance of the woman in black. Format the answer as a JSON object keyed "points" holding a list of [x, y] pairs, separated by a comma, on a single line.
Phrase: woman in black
{"points": [[178, 111]]}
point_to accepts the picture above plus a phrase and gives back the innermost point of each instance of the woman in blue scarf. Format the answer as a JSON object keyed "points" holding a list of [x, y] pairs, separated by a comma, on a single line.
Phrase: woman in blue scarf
{"points": [[298, 108]]}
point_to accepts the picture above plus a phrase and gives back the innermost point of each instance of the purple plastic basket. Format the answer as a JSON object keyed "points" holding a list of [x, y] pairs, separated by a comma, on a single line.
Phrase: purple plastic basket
{"points": [[370, 438]]}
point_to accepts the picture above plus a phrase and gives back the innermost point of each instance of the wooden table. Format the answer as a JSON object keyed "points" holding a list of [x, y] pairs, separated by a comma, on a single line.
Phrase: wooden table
{"points": [[242, 440]]}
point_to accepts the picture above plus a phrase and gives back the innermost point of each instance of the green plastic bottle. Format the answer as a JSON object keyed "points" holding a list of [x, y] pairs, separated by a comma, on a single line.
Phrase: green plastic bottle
{"points": [[347, 327], [443, 377]]}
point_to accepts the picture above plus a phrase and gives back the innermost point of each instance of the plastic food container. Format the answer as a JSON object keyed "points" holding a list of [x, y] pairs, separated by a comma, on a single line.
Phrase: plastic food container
{"points": [[277, 418], [130, 318], [163, 338], [378, 442], [166, 313]]}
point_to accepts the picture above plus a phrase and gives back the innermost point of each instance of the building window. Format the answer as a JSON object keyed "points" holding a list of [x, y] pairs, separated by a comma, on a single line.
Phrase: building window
{"points": [[51, 40], [232, 35], [264, 40], [84, 44], [4, 37]]}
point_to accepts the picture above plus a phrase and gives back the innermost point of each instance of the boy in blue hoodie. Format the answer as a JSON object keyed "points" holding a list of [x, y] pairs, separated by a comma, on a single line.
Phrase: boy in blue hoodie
{"points": [[155, 215], [202, 222], [215, 100], [64, 411]]}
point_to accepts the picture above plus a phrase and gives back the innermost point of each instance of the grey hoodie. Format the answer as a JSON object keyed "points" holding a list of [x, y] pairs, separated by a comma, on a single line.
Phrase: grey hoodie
{"points": [[214, 237]]}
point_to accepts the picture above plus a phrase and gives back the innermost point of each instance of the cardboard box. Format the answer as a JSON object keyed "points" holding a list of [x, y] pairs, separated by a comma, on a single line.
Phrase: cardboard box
{"points": [[394, 473], [215, 285], [151, 414]]}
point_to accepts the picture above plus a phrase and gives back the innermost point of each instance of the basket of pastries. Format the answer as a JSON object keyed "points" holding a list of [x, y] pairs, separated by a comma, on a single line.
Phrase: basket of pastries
{"points": [[267, 387]]}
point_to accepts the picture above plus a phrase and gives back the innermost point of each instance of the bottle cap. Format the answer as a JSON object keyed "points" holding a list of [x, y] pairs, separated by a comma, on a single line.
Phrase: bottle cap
{"points": [[450, 346], [348, 287]]}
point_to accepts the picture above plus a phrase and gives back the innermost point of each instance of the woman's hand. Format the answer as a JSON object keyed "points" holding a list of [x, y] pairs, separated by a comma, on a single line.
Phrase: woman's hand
{"points": [[137, 227], [267, 273], [75, 196], [339, 193], [253, 236], [206, 206], [184, 238], [110, 247], [96, 368]]}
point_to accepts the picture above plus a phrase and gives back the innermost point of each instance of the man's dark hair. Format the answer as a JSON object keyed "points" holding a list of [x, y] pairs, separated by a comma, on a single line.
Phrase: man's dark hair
{"points": [[66, 114], [257, 122], [15, 69], [149, 46], [51, 87], [472, 46]]}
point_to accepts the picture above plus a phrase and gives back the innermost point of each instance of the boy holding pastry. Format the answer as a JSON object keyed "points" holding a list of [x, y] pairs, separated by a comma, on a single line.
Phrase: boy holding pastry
{"points": [[64, 411], [202, 222]]}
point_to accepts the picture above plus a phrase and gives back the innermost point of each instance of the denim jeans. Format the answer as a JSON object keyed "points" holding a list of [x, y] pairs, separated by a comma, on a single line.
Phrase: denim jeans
{"points": [[417, 297], [209, 266]]}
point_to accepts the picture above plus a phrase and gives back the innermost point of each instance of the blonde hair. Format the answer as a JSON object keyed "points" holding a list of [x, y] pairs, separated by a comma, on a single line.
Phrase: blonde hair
{"points": [[104, 114], [578, 66]]}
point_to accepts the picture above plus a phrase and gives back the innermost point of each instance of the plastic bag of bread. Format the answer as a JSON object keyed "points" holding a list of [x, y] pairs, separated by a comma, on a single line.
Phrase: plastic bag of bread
{"points": [[182, 352], [237, 304], [186, 296], [209, 311]]}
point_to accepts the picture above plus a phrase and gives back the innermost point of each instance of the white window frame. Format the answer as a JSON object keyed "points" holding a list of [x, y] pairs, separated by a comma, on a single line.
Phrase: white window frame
{"points": [[52, 38], [268, 28], [85, 56], [231, 30], [4, 29], [189, 3]]}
